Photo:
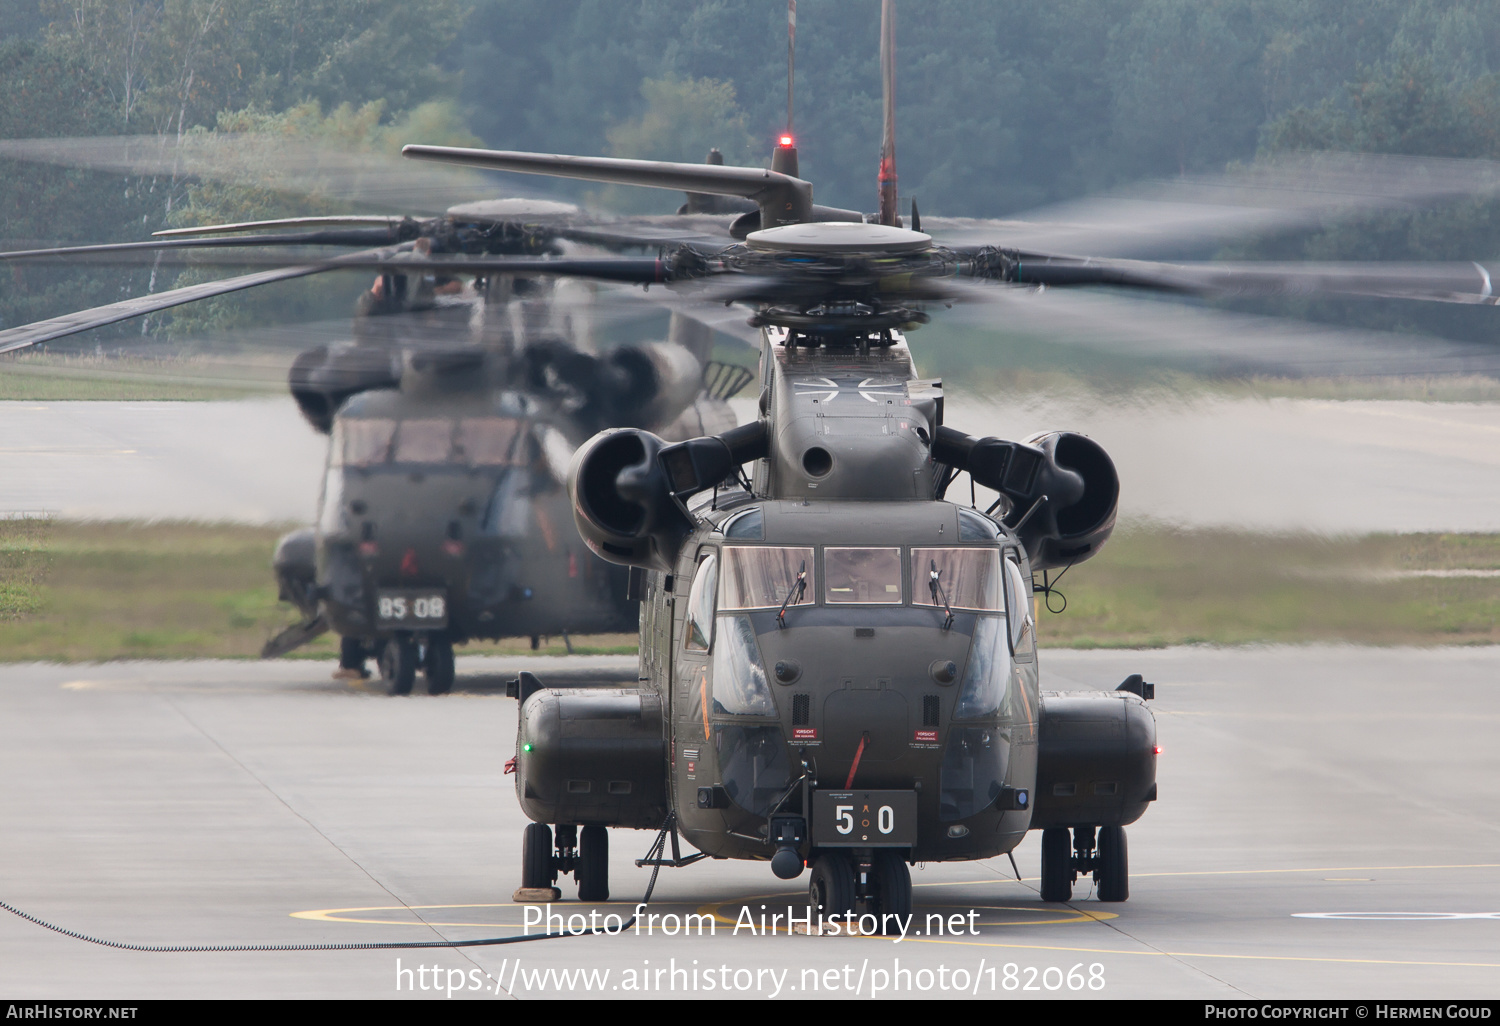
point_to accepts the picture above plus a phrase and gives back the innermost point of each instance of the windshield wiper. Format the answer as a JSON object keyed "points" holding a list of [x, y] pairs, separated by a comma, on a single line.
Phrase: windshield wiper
{"points": [[939, 593], [799, 588]]}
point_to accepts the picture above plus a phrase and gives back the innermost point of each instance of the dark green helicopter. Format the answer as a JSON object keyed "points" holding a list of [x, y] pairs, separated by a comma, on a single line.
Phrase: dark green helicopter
{"points": [[452, 414], [838, 665]]}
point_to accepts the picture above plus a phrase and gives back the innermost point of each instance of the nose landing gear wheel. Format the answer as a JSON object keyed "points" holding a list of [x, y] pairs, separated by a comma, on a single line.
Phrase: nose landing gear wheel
{"points": [[398, 664], [438, 666], [593, 864], [892, 886], [1113, 872], [1057, 865], [536, 856], [831, 885]]}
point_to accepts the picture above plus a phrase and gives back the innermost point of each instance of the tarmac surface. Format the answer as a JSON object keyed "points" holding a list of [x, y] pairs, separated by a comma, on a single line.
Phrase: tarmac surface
{"points": [[1329, 827]]}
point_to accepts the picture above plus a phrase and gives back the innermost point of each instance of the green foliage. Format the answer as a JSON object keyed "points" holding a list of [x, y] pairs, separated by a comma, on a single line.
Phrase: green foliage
{"points": [[1004, 105]]}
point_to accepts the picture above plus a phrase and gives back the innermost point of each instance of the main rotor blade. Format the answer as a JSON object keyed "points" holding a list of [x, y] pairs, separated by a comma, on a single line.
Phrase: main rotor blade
{"points": [[1432, 282], [1299, 191], [12, 339], [354, 237], [1213, 340], [782, 198], [282, 222], [305, 167]]}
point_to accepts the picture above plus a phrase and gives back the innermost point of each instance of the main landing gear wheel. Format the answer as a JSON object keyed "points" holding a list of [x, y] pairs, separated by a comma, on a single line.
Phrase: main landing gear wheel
{"points": [[831, 885], [536, 856], [437, 665], [1112, 868], [892, 886], [1057, 865], [593, 864], [398, 664]]}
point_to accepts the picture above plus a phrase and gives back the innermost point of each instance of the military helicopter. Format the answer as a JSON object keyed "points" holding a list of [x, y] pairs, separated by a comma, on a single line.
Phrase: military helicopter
{"points": [[838, 665], [452, 414]]}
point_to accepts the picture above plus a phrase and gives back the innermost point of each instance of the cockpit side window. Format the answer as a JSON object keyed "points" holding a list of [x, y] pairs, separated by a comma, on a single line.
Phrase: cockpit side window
{"points": [[1018, 608], [700, 625]]}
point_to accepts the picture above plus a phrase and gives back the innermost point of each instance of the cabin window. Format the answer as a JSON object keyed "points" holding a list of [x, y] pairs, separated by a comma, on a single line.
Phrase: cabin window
{"points": [[700, 625], [987, 672], [762, 576], [755, 765], [864, 576], [331, 518], [972, 771], [509, 513], [424, 441], [366, 440], [739, 685], [966, 578]]}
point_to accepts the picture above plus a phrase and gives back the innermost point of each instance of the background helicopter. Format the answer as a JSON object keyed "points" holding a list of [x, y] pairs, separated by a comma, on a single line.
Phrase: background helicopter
{"points": [[452, 414], [806, 626]]}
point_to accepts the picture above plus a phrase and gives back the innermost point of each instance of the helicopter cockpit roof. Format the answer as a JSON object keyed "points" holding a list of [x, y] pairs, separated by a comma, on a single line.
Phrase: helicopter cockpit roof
{"points": [[849, 522]]}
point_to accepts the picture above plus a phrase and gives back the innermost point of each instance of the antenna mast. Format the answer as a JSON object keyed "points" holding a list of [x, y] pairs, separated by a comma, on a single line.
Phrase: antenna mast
{"points": [[888, 213], [791, 57]]}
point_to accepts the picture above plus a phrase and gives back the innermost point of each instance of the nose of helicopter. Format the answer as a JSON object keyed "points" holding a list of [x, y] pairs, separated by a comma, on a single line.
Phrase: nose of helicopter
{"points": [[868, 703]]}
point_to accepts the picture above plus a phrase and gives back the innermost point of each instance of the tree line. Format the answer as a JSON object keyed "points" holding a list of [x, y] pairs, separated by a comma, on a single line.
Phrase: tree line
{"points": [[1003, 105]]}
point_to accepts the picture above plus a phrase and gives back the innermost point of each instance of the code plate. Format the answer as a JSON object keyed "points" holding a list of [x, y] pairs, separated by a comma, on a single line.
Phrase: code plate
{"points": [[411, 609], [864, 819]]}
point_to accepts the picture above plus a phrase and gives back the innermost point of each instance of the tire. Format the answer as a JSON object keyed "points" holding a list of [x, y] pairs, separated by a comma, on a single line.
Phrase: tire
{"points": [[1057, 865], [536, 856], [831, 885], [398, 664], [593, 864], [438, 666], [892, 886], [1113, 873]]}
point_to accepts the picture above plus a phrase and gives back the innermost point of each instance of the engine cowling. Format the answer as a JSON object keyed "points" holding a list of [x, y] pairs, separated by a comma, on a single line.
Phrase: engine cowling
{"points": [[1074, 527], [622, 501], [1062, 487], [321, 379]]}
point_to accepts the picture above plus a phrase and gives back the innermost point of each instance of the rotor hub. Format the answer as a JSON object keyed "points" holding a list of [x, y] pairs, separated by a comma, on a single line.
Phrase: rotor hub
{"points": [[838, 237]]}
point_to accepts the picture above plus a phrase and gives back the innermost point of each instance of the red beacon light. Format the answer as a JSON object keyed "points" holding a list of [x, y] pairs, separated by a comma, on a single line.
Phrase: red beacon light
{"points": [[786, 141]]}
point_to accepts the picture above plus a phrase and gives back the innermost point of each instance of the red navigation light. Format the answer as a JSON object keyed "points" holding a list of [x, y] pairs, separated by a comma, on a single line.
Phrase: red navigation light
{"points": [[786, 141], [1157, 750]]}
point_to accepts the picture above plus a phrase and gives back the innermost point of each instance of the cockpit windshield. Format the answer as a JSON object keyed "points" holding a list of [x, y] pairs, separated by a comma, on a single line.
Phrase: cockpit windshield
{"points": [[472, 441], [965, 578], [762, 576], [424, 441], [366, 441], [866, 576]]}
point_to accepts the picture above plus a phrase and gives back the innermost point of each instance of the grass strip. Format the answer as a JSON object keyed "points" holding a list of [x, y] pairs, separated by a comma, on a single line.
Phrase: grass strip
{"points": [[82, 592]]}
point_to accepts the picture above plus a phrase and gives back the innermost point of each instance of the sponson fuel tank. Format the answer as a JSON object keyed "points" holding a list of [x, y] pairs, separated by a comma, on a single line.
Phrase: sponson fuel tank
{"points": [[1096, 759], [592, 756]]}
